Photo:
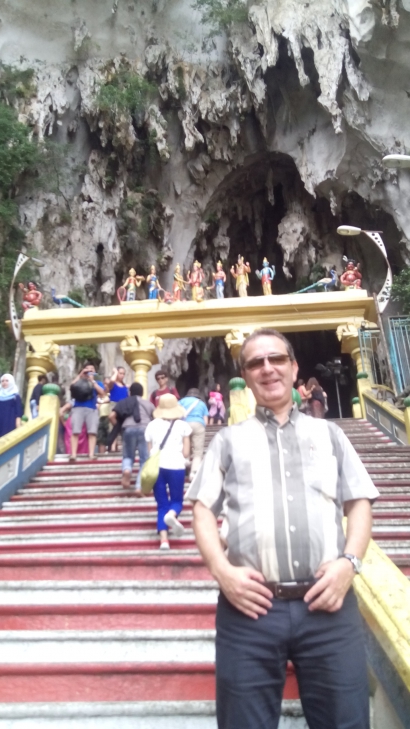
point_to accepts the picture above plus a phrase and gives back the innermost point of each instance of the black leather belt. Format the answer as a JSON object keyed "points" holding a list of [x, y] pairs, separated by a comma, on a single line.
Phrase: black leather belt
{"points": [[290, 590]]}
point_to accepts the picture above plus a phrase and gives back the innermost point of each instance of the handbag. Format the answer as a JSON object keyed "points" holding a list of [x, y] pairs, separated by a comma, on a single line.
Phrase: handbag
{"points": [[150, 469]]}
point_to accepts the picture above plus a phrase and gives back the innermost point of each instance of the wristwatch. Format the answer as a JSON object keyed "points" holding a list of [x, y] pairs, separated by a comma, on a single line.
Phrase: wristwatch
{"points": [[356, 562]]}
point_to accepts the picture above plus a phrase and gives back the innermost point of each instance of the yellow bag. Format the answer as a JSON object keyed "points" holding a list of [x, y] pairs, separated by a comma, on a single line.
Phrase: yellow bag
{"points": [[150, 473], [150, 469]]}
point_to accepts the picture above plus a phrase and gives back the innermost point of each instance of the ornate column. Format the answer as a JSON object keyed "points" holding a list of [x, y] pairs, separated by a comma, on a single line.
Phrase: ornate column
{"points": [[38, 362], [140, 353], [348, 335], [234, 340]]}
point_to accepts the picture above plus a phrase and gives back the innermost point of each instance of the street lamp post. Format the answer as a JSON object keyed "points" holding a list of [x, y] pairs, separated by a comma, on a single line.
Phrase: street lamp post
{"points": [[395, 161], [383, 296]]}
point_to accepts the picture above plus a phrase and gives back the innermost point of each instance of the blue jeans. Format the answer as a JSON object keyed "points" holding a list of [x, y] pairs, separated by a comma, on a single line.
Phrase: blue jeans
{"points": [[170, 498], [133, 438]]}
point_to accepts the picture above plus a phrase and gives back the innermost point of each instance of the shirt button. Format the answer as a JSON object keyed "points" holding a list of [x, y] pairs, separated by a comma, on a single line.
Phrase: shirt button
{"points": [[290, 497], [281, 432], [296, 563], [285, 451], [287, 473], [292, 528]]}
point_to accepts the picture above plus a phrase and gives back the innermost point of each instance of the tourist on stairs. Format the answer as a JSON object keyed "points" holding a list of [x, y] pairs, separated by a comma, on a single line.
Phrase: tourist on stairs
{"points": [[134, 414], [118, 391], [84, 389], [317, 399], [197, 417], [11, 408], [169, 488], [162, 379]]}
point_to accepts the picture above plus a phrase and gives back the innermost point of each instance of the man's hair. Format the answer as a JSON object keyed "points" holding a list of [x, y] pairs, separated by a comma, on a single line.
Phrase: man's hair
{"points": [[42, 378], [161, 372], [194, 392], [136, 389], [266, 332], [120, 367]]}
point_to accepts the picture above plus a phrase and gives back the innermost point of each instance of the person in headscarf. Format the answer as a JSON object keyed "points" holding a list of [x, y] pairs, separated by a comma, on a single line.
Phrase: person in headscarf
{"points": [[11, 407]]}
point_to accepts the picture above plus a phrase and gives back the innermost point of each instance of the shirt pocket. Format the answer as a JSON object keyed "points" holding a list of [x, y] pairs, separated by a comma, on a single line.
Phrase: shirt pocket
{"points": [[321, 475]]}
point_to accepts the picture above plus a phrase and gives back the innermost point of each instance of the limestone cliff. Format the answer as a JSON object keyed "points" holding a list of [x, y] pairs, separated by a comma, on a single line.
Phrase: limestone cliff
{"points": [[259, 141]]}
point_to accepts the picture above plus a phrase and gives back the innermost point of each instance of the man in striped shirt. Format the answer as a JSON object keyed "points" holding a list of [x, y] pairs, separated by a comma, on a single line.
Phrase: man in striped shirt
{"points": [[284, 481]]}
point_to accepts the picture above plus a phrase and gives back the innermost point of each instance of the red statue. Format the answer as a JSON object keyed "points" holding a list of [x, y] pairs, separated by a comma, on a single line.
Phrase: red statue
{"points": [[351, 277], [31, 295], [195, 280]]}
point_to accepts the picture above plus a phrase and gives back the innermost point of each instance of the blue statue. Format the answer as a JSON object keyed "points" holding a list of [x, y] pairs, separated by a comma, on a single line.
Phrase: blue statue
{"points": [[266, 275], [153, 283]]}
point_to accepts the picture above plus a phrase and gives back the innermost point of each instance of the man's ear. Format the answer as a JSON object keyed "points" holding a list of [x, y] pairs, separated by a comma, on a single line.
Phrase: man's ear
{"points": [[295, 370]]}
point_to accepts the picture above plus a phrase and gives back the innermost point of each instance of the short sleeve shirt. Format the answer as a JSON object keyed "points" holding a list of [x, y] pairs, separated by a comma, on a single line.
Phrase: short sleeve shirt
{"points": [[154, 398], [171, 455], [198, 413], [282, 490], [118, 392]]}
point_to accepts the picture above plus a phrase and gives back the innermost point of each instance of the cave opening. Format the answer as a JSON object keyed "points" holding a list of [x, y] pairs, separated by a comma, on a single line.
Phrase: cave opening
{"points": [[262, 209], [210, 362]]}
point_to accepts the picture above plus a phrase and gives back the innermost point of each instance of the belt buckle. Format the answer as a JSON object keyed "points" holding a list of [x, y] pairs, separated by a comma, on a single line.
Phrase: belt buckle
{"points": [[292, 590]]}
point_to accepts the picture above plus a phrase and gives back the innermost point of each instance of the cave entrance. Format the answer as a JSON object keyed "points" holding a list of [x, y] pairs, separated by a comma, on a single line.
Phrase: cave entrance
{"points": [[210, 362], [262, 209]]}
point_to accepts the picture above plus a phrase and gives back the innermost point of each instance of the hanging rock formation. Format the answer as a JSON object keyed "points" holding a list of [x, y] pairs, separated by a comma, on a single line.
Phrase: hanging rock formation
{"points": [[260, 141]]}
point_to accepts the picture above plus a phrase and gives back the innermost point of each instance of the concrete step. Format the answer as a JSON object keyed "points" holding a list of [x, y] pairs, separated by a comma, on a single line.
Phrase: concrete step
{"points": [[108, 592], [84, 522], [95, 564], [128, 715], [31, 647]]}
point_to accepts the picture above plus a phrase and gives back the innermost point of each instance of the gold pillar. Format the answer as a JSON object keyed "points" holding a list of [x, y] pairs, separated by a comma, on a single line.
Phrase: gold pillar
{"points": [[348, 335], [234, 340], [140, 353], [38, 362]]}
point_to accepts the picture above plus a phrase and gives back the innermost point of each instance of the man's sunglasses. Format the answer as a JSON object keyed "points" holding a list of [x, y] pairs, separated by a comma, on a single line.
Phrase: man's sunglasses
{"points": [[274, 360]]}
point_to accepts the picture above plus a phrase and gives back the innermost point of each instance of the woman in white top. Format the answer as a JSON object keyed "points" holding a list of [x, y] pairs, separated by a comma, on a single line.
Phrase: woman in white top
{"points": [[169, 488]]}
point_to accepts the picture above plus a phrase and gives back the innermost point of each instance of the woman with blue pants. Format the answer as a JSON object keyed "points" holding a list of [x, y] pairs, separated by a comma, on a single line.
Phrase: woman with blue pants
{"points": [[169, 487]]}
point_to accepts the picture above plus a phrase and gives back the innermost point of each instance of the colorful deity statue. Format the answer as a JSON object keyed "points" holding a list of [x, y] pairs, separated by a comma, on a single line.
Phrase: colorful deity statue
{"points": [[266, 276], [195, 280], [219, 277], [153, 283], [351, 277], [241, 276], [178, 286], [31, 296], [128, 291]]}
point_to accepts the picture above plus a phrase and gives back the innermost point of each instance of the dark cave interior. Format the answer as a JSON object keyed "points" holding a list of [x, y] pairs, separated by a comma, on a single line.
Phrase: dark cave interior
{"points": [[210, 362]]}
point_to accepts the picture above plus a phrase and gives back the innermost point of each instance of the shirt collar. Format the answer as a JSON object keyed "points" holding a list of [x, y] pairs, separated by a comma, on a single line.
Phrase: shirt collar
{"points": [[266, 415]]}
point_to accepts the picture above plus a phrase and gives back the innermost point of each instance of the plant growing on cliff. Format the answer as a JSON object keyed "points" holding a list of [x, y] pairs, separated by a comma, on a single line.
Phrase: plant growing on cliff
{"points": [[18, 155], [400, 290], [125, 92], [220, 14], [16, 84]]}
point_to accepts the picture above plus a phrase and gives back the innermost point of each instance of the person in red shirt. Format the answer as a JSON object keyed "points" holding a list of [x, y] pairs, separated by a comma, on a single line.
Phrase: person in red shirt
{"points": [[162, 378]]}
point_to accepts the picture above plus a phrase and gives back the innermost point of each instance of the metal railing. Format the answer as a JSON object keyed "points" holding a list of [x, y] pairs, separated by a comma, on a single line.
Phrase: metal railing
{"points": [[375, 357], [399, 347]]}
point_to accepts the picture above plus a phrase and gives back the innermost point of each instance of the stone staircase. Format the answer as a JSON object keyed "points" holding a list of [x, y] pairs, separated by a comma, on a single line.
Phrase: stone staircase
{"points": [[99, 628], [389, 466]]}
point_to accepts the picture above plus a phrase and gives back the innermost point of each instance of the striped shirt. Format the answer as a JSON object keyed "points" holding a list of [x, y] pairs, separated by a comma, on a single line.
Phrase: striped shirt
{"points": [[282, 489]]}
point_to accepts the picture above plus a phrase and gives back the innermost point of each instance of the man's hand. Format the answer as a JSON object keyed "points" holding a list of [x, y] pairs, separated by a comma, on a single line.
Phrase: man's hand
{"points": [[245, 589], [334, 580]]}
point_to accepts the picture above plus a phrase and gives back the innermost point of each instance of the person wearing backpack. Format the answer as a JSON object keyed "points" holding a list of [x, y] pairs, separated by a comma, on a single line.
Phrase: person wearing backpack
{"points": [[84, 390], [133, 413], [169, 433], [197, 417]]}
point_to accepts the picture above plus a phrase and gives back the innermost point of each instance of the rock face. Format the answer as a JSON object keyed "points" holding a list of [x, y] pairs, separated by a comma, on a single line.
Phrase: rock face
{"points": [[258, 142]]}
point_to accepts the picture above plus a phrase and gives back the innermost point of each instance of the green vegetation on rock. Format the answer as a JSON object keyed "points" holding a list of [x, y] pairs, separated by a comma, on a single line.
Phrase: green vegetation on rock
{"points": [[126, 91], [401, 290], [220, 14]]}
